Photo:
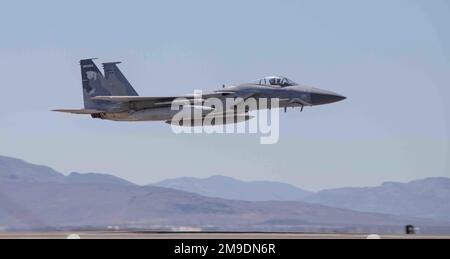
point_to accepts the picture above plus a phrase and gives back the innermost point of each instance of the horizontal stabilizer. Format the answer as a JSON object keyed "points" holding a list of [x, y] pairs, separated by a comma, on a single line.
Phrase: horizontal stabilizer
{"points": [[82, 111]]}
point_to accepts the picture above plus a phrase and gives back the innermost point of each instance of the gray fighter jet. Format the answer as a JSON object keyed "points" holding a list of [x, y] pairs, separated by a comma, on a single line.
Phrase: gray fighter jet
{"points": [[111, 97]]}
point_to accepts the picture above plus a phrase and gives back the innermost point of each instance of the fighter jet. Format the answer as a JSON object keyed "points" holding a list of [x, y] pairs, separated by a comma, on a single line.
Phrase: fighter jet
{"points": [[110, 96]]}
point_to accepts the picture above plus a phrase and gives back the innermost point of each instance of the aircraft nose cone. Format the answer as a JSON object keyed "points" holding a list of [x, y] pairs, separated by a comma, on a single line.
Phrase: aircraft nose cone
{"points": [[319, 97]]}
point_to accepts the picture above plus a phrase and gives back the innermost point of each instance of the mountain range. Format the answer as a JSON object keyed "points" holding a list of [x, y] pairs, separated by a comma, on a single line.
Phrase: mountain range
{"points": [[233, 189], [37, 197], [425, 198]]}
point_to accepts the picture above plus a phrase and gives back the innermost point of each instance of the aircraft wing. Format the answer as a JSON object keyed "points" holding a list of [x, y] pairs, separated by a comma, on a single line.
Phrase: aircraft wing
{"points": [[150, 102], [133, 98]]}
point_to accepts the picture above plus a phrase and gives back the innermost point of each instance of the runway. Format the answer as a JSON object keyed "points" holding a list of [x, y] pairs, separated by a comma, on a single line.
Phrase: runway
{"points": [[226, 236]]}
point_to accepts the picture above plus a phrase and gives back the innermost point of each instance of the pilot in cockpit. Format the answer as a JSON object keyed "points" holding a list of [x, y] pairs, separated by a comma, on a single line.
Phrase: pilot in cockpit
{"points": [[272, 81], [278, 81]]}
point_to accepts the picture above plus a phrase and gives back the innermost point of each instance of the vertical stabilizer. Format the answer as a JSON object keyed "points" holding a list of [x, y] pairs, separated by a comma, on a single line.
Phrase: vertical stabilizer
{"points": [[116, 81], [93, 84], [113, 83]]}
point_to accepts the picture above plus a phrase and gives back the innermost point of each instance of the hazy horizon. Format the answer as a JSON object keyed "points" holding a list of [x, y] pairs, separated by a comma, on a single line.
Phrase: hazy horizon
{"points": [[390, 58], [225, 176]]}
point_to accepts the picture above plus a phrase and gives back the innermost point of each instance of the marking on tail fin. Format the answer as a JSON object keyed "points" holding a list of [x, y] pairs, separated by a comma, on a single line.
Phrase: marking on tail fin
{"points": [[91, 75]]}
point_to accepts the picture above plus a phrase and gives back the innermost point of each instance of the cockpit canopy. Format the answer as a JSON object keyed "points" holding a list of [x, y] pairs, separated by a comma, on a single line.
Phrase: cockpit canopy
{"points": [[276, 81]]}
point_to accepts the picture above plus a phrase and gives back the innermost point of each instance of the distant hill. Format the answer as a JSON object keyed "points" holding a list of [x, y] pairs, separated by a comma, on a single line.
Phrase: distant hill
{"points": [[93, 178], [230, 188], [427, 198], [36, 197], [18, 170], [26, 205]]}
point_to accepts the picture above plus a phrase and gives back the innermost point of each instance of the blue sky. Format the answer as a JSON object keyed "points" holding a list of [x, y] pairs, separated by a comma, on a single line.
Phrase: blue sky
{"points": [[390, 58]]}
